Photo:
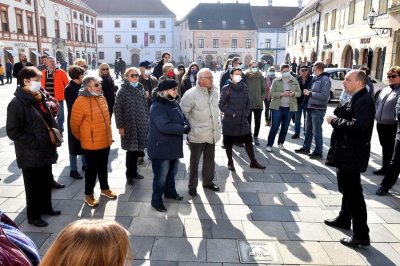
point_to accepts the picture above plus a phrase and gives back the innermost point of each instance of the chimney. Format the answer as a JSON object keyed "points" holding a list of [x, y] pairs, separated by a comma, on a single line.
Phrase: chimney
{"points": [[269, 2], [300, 4]]}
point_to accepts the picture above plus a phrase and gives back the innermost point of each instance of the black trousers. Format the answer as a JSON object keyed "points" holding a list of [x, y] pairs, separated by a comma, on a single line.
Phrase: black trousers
{"points": [[353, 203], [131, 163], [9, 77], [207, 173], [387, 136], [37, 183], [393, 171], [257, 120], [97, 161]]}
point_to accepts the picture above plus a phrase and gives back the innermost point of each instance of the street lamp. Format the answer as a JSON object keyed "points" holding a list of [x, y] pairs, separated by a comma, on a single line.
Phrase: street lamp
{"points": [[371, 19]]}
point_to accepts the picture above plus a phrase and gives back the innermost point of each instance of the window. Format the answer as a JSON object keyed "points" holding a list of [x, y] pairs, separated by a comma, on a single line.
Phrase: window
{"points": [[326, 21], [301, 37], [367, 8], [82, 34], [117, 54], [248, 43], [383, 5], [57, 28], [117, 24], [93, 39], [234, 43], [87, 34], [313, 30], [224, 23], [4, 19], [152, 39], [267, 43], [295, 37], [75, 15], [20, 26], [162, 24], [28, 2], [91, 20], [242, 22], [133, 24], [307, 33], [87, 19], [352, 6], [158, 55], [117, 38], [333, 19], [288, 39], [317, 30], [215, 43], [151, 24], [99, 24], [43, 26], [163, 38], [100, 39], [76, 32], [29, 23], [101, 55], [81, 16], [68, 27], [134, 38], [201, 43]]}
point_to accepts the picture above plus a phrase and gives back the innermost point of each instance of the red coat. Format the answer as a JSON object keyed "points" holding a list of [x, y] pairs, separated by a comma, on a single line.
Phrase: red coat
{"points": [[60, 82]]}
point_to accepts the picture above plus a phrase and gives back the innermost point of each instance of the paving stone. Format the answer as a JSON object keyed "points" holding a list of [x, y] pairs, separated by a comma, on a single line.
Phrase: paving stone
{"points": [[171, 227], [270, 199], [254, 230], [293, 178], [226, 229], [306, 231], [394, 229], [389, 215], [141, 246], [273, 213], [314, 214], [200, 211], [379, 233], [155, 263], [200, 228], [11, 191], [140, 195], [12, 205], [222, 250], [38, 238], [341, 255], [379, 254], [179, 249], [300, 200], [236, 212], [148, 211], [246, 198], [298, 252]]}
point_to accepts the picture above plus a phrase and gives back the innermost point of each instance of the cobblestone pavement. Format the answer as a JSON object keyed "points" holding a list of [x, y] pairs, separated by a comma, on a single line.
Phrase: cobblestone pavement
{"points": [[279, 210]]}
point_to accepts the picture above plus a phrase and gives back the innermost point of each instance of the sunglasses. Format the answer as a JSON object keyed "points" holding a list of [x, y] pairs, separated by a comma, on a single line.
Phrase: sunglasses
{"points": [[104, 69], [134, 75], [148, 67], [392, 76]]}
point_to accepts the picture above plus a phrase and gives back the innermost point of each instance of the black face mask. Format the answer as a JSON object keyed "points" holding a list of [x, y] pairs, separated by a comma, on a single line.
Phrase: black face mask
{"points": [[172, 98]]}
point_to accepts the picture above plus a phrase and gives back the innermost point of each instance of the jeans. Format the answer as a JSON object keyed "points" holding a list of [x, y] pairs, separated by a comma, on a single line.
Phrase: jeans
{"points": [[297, 118], [60, 116], [257, 120], [208, 151], [73, 164], [280, 118], [315, 118], [164, 179], [97, 161]]}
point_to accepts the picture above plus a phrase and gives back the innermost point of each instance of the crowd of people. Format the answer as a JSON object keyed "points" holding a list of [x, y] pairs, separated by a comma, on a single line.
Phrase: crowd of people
{"points": [[154, 110]]}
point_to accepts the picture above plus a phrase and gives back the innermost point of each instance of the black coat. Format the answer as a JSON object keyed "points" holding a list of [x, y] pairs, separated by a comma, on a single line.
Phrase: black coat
{"points": [[157, 72], [71, 93], [33, 147], [18, 67], [352, 130], [109, 91], [186, 84], [303, 100]]}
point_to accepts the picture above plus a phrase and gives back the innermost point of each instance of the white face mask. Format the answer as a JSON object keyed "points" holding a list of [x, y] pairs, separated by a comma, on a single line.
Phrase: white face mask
{"points": [[35, 86], [285, 74], [95, 93], [147, 72], [254, 69], [237, 78]]}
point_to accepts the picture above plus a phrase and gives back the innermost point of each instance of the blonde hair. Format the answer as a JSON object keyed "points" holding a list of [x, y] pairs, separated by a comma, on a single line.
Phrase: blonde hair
{"points": [[80, 62], [90, 243], [101, 66], [167, 67], [131, 69]]}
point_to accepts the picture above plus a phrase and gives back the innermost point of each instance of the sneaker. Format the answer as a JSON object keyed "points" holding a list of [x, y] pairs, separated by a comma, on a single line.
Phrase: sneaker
{"points": [[140, 161], [281, 147], [108, 193], [91, 200], [256, 142], [269, 149]]}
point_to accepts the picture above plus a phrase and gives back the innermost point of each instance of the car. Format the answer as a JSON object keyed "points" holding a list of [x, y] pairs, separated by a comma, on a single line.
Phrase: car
{"points": [[337, 77], [378, 86]]}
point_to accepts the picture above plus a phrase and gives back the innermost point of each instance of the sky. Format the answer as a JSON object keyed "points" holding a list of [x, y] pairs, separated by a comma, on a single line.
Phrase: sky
{"points": [[182, 7]]}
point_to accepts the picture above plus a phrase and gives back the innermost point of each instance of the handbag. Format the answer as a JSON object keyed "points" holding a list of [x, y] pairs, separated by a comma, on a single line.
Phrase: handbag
{"points": [[55, 134]]}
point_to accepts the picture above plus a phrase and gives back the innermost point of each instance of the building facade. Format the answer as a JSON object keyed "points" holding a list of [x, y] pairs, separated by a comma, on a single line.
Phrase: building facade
{"points": [[133, 32], [64, 29]]}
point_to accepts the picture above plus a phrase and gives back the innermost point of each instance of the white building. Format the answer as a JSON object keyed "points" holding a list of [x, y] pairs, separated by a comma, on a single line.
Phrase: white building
{"points": [[66, 30], [133, 32]]}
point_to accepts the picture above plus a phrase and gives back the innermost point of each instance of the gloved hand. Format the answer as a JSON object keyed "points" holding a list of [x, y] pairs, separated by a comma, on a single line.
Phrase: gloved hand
{"points": [[186, 129]]}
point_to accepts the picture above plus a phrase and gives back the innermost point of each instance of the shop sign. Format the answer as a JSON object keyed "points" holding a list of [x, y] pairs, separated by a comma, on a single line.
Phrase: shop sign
{"points": [[209, 52], [365, 40], [20, 44]]}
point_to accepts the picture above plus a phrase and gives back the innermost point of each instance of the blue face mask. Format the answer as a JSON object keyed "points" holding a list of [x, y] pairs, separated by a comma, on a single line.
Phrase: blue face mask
{"points": [[134, 84]]}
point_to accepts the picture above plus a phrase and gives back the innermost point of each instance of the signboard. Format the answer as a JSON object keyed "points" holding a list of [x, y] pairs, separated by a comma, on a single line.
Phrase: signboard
{"points": [[209, 52], [365, 40]]}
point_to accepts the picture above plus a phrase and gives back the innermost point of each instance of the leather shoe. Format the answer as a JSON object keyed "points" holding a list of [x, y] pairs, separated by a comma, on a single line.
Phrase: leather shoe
{"points": [[176, 197], [57, 185], [75, 174], [295, 136], [84, 167], [302, 151], [354, 242], [192, 192], [138, 176], [160, 208], [379, 172], [381, 191], [38, 222], [52, 213], [231, 167], [212, 187], [315, 155], [337, 222], [256, 165]]}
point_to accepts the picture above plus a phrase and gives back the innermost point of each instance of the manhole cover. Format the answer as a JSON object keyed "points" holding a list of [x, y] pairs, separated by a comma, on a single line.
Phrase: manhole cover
{"points": [[258, 251]]}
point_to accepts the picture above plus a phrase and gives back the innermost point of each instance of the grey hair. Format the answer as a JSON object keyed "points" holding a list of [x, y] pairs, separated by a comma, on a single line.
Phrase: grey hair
{"points": [[87, 79], [201, 72], [51, 58]]}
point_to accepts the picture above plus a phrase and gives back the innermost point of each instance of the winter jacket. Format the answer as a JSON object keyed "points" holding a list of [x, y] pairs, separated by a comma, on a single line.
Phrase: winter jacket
{"points": [[276, 90], [157, 72], [186, 84], [200, 107], [352, 130], [148, 86], [60, 82], [1, 71], [385, 105], [132, 114], [303, 100], [235, 104], [320, 92], [256, 85], [18, 67], [71, 94], [345, 97], [90, 121], [109, 90], [166, 128], [225, 76], [33, 147]]}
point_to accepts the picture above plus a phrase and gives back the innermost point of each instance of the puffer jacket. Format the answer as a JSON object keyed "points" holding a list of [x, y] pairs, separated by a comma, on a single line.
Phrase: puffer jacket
{"points": [[60, 82], [33, 147], [385, 105], [200, 107], [235, 104], [276, 90], [320, 92], [90, 121], [256, 85]]}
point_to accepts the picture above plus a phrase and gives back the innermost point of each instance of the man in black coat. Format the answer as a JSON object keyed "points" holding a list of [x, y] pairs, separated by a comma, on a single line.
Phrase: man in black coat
{"points": [[23, 62], [349, 152]]}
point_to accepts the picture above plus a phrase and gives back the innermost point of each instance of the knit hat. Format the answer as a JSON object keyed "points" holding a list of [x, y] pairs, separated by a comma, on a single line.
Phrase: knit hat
{"points": [[167, 84], [144, 63]]}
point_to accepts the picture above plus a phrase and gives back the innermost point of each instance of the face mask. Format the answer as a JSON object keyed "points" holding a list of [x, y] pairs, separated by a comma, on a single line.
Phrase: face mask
{"points": [[147, 72], [240, 66], [134, 84], [171, 98], [170, 74], [254, 69], [237, 78], [95, 93], [193, 71], [285, 74], [230, 66], [271, 74], [35, 86]]}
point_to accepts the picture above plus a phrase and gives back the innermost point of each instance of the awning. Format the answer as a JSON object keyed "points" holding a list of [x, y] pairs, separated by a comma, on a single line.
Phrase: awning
{"points": [[35, 53], [11, 52]]}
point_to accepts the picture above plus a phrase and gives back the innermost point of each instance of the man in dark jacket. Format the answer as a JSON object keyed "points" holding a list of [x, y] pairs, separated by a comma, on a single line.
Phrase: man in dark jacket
{"points": [[148, 81], [121, 67], [23, 62], [9, 69], [349, 152], [158, 69]]}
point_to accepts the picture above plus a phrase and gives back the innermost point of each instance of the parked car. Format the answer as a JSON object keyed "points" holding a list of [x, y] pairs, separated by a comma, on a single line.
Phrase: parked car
{"points": [[337, 77], [378, 86]]}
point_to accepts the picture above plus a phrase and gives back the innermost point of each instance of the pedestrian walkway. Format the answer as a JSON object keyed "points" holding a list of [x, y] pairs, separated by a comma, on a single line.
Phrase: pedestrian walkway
{"points": [[273, 216]]}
